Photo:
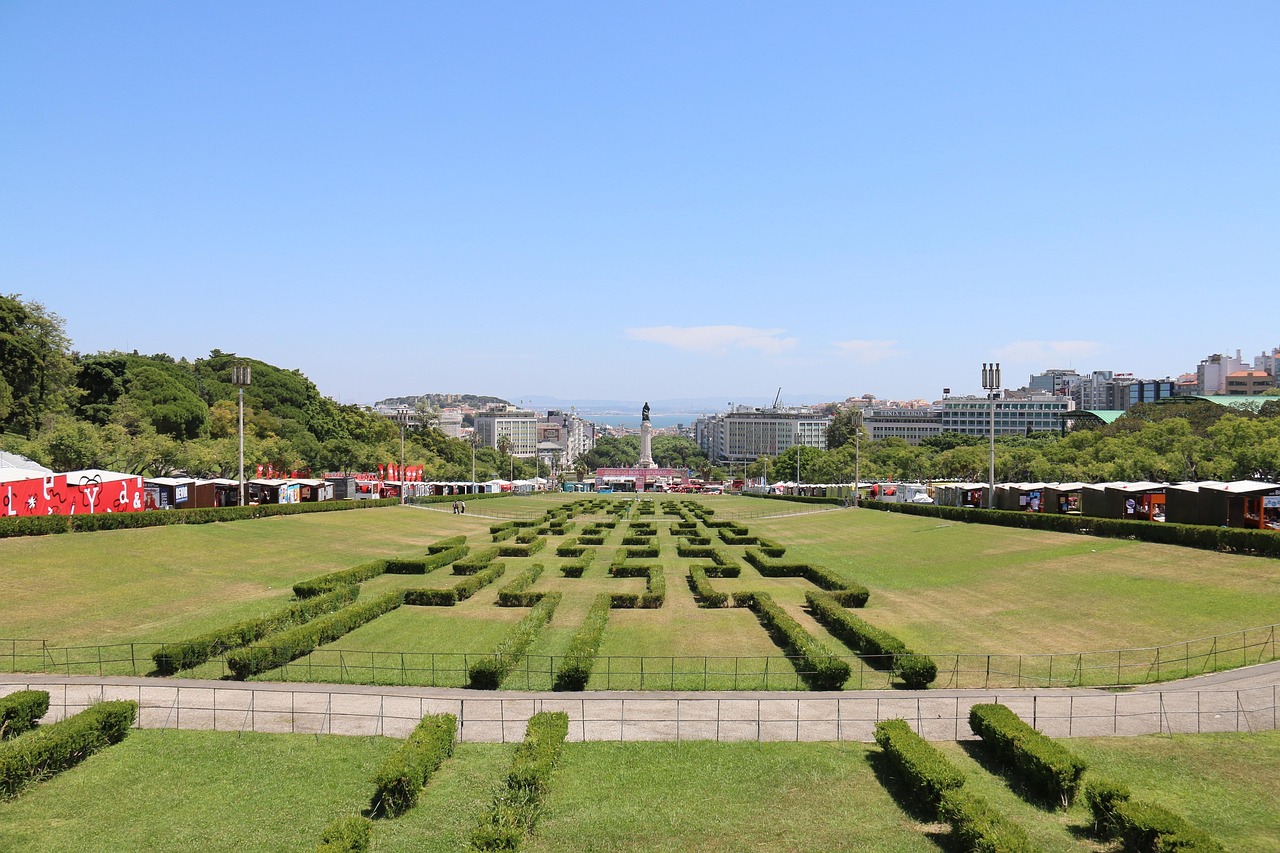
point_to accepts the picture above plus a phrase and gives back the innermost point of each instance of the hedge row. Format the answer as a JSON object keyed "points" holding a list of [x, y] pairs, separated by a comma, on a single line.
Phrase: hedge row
{"points": [[504, 534], [346, 835], [578, 566], [20, 711], [278, 649], [570, 548], [649, 553], [523, 549], [926, 772], [729, 537], [1046, 766], [820, 667], [446, 544], [581, 654], [1261, 543], [487, 673], [819, 576], [461, 591], [654, 596], [422, 565], [702, 589], [1143, 827], [880, 648], [475, 562], [53, 748], [345, 577], [516, 808], [401, 777], [172, 657], [587, 539], [979, 827], [770, 548], [516, 594], [49, 524]]}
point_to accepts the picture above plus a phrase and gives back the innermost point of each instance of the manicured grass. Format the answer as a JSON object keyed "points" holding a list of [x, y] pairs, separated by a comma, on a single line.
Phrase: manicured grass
{"points": [[176, 791], [720, 797]]}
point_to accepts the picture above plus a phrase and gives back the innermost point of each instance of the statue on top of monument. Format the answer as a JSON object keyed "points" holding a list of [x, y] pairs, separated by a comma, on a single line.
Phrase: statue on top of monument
{"points": [[644, 413]]}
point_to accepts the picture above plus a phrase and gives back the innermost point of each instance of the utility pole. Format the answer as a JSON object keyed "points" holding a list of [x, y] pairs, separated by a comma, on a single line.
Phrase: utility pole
{"points": [[240, 376], [991, 384]]}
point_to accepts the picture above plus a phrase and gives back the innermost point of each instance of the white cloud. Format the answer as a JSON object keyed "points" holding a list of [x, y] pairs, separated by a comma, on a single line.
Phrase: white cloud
{"points": [[1049, 353], [714, 340], [869, 352]]}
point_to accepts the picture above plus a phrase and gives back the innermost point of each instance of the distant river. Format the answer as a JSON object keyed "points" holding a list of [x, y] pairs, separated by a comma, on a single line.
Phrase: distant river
{"points": [[633, 421]]}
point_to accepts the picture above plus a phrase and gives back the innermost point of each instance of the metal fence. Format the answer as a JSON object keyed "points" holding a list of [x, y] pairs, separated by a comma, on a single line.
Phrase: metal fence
{"points": [[1116, 668], [243, 708]]}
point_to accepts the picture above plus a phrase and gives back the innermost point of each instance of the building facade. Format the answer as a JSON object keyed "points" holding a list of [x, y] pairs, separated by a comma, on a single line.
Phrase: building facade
{"points": [[912, 425], [745, 433], [519, 428], [1037, 413]]}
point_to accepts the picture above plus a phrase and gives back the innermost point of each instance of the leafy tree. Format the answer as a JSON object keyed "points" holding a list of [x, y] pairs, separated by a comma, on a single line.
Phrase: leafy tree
{"points": [[844, 424], [36, 369]]}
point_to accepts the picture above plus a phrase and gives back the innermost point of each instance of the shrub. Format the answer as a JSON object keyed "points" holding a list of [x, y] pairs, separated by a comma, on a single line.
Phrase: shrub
{"points": [[53, 748], [1142, 827], [21, 710], [979, 827], [575, 671], [517, 807], [422, 565], [400, 779], [819, 666], [528, 549], [703, 591], [346, 835], [344, 577], [570, 548], [487, 673], [1102, 796], [475, 562], [515, 594], [1045, 765], [293, 643], [925, 770], [879, 648], [446, 544], [819, 576], [172, 657], [578, 566]]}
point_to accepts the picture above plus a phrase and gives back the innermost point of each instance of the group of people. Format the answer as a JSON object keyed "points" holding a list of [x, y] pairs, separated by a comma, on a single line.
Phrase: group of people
{"points": [[459, 507]]}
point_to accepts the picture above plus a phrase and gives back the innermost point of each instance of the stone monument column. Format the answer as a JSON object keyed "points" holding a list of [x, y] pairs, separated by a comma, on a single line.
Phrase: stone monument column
{"points": [[646, 440]]}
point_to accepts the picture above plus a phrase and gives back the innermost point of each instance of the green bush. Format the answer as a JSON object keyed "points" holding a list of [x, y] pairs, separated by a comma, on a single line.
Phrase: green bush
{"points": [[575, 670], [570, 548], [578, 566], [430, 597], [517, 807], [487, 673], [344, 577], [278, 649], [53, 748], [475, 562], [703, 591], [819, 576], [422, 565], [926, 772], [346, 835], [976, 826], [516, 594], [820, 668], [1142, 827], [401, 777], [1045, 765], [446, 544], [878, 648], [527, 549], [1102, 796], [21, 710], [173, 657]]}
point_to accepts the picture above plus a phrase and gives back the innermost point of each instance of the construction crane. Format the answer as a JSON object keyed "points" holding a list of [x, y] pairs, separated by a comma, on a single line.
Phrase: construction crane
{"points": [[777, 398]]}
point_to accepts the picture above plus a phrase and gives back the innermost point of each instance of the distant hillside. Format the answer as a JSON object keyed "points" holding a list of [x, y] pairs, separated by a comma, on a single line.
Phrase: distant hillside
{"points": [[441, 401]]}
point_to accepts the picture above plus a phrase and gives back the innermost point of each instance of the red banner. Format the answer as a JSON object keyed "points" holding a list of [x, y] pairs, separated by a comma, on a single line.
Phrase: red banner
{"points": [[53, 495]]}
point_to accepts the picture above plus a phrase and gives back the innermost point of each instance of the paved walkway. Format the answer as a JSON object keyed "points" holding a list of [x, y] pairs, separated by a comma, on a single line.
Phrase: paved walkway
{"points": [[1243, 700]]}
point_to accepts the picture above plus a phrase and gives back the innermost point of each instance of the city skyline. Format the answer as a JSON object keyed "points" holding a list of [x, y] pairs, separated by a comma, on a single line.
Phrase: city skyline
{"points": [[588, 202]]}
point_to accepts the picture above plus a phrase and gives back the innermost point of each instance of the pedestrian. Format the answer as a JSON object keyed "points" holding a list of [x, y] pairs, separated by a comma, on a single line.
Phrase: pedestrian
{"points": [[464, 507], [455, 507]]}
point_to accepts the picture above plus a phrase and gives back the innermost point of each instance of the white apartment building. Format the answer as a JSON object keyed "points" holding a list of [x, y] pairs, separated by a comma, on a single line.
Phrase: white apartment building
{"points": [[1212, 372], [746, 433], [912, 425], [972, 415], [520, 428]]}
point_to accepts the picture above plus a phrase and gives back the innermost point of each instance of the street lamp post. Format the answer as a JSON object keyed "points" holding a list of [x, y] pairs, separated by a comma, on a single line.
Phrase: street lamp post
{"points": [[240, 376], [402, 488], [991, 384], [857, 463]]}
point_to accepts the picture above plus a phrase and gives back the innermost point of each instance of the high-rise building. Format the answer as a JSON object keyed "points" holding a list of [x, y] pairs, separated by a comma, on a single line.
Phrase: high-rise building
{"points": [[1055, 381], [746, 433], [520, 428], [1038, 413], [1212, 372]]}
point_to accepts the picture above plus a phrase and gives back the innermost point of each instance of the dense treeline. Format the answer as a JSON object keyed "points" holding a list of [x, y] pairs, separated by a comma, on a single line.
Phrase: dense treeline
{"points": [[155, 415]]}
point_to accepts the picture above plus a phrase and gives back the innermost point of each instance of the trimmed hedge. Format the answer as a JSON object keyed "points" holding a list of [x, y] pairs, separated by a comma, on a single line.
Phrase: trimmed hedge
{"points": [[20, 711], [461, 591], [475, 562], [1046, 766], [879, 648], [654, 596], [526, 549], [702, 589], [518, 806], [48, 524], [446, 544], [345, 577], [578, 566], [173, 657], [1259, 543], [819, 576], [346, 835], [575, 671], [515, 594], [926, 771], [570, 548], [56, 747], [1142, 827], [278, 649], [422, 565], [979, 827], [401, 777], [487, 673], [820, 668]]}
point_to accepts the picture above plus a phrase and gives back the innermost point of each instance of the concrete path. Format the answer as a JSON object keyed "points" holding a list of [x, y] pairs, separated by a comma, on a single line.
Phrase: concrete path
{"points": [[1243, 700]]}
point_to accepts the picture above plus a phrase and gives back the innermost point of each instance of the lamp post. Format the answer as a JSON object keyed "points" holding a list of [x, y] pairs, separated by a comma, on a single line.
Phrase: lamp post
{"points": [[240, 376], [857, 462], [402, 489], [991, 384]]}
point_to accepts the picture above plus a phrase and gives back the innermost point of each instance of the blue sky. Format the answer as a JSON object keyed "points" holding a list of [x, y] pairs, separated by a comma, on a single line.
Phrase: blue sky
{"points": [[647, 201]]}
